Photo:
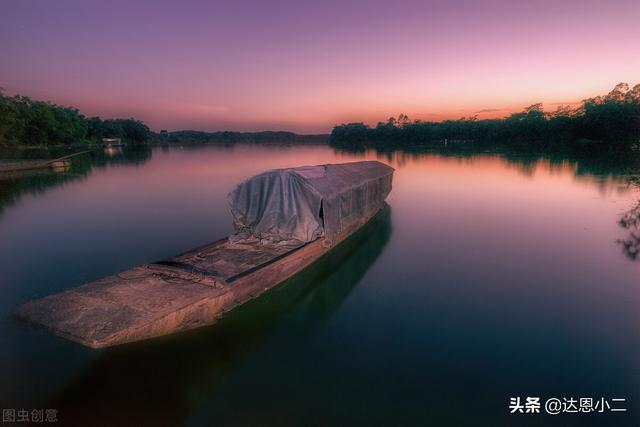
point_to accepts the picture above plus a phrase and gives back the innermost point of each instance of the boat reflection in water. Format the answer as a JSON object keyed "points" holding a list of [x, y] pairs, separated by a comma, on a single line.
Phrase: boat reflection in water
{"points": [[165, 374]]}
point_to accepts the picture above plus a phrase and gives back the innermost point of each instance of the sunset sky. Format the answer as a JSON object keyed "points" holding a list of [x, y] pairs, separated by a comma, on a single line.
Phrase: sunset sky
{"points": [[307, 65]]}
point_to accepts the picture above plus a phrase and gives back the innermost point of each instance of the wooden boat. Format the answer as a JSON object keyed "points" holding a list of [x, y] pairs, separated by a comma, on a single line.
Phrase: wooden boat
{"points": [[286, 220]]}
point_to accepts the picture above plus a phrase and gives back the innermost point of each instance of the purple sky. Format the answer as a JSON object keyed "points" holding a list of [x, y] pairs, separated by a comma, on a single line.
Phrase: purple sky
{"points": [[304, 66]]}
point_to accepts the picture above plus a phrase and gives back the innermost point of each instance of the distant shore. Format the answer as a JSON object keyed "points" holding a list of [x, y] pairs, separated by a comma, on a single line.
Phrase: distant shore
{"points": [[26, 123], [608, 122], [190, 137]]}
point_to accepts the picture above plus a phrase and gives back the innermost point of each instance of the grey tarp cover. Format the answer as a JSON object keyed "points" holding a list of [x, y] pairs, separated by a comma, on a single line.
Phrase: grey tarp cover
{"points": [[304, 203]]}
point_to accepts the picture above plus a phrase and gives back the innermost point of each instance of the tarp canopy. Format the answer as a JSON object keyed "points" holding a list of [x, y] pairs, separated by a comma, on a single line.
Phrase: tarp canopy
{"points": [[301, 204]]}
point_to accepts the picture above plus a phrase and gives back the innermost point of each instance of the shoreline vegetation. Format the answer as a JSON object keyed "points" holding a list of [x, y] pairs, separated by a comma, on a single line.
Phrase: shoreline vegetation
{"points": [[604, 123], [189, 137], [610, 122], [28, 123]]}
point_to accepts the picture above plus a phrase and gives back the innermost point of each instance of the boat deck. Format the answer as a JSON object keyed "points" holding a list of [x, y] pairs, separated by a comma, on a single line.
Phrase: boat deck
{"points": [[229, 261], [175, 294]]}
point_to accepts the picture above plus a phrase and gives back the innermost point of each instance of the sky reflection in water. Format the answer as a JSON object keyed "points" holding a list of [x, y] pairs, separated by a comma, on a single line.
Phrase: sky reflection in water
{"points": [[488, 278]]}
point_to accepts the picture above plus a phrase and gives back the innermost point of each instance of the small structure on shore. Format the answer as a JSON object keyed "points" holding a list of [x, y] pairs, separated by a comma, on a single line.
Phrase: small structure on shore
{"points": [[285, 220]]}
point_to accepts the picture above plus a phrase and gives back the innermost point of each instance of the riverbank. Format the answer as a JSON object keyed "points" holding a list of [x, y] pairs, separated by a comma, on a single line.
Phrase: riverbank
{"points": [[608, 121], [25, 165], [191, 137]]}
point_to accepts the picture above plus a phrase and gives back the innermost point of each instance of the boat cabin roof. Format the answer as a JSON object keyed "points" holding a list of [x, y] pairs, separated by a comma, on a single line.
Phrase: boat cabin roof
{"points": [[299, 205]]}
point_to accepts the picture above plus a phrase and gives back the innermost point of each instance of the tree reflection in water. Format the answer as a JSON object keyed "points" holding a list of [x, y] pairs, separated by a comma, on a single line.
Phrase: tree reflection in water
{"points": [[14, 184], [631, 221]]}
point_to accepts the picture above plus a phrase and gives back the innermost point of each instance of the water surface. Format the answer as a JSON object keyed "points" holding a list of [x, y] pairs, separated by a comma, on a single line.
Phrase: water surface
{"points": [[492, 276]]}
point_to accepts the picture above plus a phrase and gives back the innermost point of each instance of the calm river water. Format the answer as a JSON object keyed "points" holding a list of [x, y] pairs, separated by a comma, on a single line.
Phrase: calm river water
{"points": [[492, 277]]}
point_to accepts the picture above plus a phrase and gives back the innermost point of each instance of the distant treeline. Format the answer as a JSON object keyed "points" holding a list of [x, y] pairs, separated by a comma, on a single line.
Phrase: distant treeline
{"points": [[612, 120], [24, 121], [198, 137]]}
